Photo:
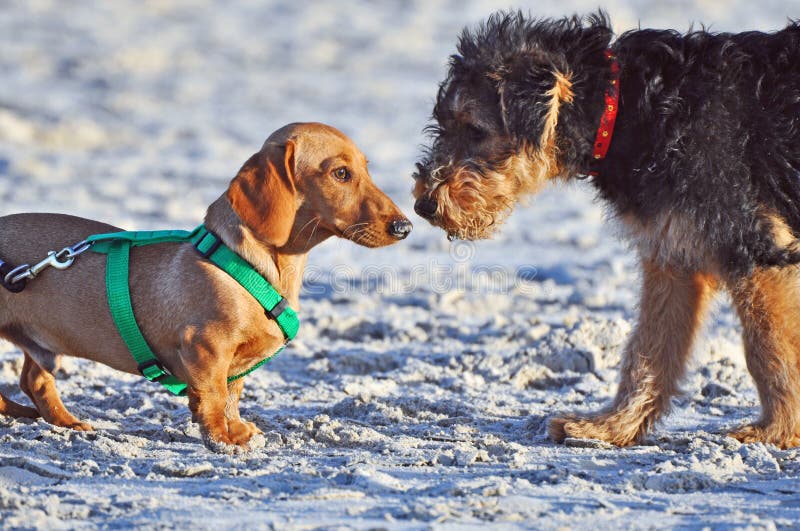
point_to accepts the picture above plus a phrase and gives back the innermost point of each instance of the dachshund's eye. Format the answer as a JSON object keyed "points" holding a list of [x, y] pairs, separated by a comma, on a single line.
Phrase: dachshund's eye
{"points": [[341, 174]]}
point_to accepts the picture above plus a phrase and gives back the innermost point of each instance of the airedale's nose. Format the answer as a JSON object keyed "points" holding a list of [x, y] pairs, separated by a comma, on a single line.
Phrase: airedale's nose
{"points": [[400, 228], [426, 207]]}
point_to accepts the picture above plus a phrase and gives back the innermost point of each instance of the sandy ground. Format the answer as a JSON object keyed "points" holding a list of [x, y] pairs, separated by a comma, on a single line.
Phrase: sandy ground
{"points": [[417, 392]]}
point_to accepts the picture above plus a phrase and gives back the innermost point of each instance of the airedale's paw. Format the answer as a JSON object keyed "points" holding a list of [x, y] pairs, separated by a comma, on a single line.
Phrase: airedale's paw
{"points": [[602, 427], [770, 434]]}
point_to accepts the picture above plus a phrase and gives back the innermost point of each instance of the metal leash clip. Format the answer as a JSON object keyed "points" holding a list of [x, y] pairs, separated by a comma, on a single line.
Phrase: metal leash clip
{"points": [[54, 260]]}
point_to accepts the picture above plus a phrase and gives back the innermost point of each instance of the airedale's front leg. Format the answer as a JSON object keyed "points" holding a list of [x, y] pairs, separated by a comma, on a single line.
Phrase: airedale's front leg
{"points": [[672, 307], [239, 430], [39, 385]]}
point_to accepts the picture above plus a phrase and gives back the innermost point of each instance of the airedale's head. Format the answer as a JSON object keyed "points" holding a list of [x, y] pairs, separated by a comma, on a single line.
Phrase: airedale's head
{"points": [[499, 130]]}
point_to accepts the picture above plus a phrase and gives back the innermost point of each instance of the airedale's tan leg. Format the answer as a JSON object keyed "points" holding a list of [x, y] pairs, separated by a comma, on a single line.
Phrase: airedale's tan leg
{"points": [[672, 307], [238, 429], [40, 386], [768, 304]]}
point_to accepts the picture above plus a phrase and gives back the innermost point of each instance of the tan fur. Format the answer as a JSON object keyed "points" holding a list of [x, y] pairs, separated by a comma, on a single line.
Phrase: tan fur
{"points": [[264, 195], [473, 205], [489, 197], [40, 386], [767, 304], [561, 92], [669, 239], [202, 325], [781, 233], [672, 307], [674, 296], [12, 409]]}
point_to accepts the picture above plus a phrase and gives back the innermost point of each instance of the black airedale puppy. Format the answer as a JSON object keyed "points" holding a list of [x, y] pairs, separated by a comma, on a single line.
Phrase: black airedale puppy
{"points": [[694, 141]]}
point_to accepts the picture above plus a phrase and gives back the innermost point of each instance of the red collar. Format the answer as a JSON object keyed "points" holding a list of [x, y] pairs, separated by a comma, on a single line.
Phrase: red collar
{"points": [[606, 129]]}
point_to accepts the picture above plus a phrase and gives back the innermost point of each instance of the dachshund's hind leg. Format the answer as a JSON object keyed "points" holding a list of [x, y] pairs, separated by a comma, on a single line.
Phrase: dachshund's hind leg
{"points": [[12, 409], [39, 384]]}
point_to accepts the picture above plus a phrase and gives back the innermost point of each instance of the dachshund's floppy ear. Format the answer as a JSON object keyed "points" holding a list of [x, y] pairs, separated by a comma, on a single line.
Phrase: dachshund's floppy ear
{"points": [[263, 193]]}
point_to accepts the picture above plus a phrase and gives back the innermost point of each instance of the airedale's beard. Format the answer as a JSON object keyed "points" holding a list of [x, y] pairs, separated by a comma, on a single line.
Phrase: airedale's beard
{"points": [[473, 199]]}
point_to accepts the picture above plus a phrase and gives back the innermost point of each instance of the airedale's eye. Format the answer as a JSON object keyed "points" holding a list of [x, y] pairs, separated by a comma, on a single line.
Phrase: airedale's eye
{"points": [[476, 133], [341, 174]]}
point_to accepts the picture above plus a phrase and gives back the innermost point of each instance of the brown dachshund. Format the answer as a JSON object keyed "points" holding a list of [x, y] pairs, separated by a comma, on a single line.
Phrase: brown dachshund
{"points": [[309, 182]]}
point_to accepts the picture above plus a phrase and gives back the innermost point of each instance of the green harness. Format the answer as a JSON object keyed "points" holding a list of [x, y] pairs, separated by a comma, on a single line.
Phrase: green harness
{"points": [[117, 247]]}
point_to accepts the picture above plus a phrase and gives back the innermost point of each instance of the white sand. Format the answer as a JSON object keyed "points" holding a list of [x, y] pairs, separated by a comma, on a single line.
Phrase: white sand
{"points": [[402, 404]]}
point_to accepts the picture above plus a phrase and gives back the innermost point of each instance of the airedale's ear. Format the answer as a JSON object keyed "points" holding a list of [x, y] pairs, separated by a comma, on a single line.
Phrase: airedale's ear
{"points": [[263, 193], [531, 94]]}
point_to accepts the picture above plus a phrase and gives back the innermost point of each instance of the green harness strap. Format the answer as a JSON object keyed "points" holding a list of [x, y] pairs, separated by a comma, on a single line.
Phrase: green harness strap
{"points": [[117, 247]]}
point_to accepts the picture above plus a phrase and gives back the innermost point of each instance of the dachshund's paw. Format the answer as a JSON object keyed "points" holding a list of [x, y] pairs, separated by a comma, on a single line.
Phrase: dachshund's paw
{"points": [[219, 443], [241, 431], [71, 423], [217, 440], [239, 437]]}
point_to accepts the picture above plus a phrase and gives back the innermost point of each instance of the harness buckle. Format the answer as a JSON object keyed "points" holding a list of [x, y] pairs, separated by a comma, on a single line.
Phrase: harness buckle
{"points": [[146, 370], [214, 246], [277, 310]]}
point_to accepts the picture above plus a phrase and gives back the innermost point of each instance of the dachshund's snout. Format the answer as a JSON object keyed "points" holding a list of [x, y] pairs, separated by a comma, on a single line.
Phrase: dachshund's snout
{"points": [[400, 228]]}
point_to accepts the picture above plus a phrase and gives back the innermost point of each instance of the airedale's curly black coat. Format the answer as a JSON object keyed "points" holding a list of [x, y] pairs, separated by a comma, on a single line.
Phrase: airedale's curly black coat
{"points": [[708, 125], [703, 172]]}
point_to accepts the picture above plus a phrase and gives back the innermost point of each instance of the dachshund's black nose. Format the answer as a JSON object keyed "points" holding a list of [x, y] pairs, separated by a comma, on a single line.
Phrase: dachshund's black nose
{"points": [[400, 228], [426, 207]]}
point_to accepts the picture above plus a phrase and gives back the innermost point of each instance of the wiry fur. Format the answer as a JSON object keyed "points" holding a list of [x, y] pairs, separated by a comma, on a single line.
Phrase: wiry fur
{"points": [[503, 106], [709, 126], [489, 192], [703, 171]]}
